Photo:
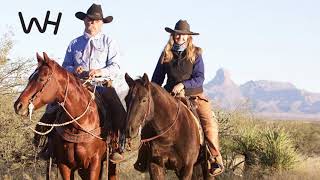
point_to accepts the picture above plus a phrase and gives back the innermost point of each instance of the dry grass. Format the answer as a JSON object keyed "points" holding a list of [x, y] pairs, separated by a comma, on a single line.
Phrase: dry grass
{"points": [[17, 154], [308, 169]]}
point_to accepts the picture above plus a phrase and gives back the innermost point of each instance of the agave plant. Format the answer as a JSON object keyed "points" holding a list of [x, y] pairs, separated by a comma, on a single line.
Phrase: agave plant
{"points": [[278, 150]]}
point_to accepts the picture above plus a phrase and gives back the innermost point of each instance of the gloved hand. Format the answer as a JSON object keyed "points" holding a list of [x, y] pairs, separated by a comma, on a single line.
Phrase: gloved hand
{"points": [[178, 88]]}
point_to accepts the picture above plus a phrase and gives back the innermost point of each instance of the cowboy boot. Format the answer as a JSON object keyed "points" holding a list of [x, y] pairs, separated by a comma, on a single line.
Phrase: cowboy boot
{"points": [[209, 124], [46, 151], [116, 156], [216, 166], [215, 162], [142, 161]]}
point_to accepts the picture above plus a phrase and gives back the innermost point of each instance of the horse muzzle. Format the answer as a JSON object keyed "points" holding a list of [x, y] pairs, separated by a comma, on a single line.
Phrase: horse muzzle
{"points": [[20, 108]]}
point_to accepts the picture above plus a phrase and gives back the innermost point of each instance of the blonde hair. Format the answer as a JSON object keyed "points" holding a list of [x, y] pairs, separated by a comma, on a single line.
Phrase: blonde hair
{"points": [[192, 51]]}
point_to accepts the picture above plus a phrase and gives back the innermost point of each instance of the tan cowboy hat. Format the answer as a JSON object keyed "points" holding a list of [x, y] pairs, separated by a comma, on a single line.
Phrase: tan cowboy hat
{"points": [[94, 12], [182, 27]]}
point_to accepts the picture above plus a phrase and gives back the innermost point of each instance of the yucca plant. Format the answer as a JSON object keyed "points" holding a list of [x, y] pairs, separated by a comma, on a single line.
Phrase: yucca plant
{"points": [[248, 144], [278, 150]]}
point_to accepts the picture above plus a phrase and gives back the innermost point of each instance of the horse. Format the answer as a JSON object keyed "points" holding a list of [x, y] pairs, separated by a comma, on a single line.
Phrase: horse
{"points": [[176, 143], [80, 144]]}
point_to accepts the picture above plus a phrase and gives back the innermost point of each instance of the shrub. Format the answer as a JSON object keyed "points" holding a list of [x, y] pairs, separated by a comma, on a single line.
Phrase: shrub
{"points": [[277, 150]]}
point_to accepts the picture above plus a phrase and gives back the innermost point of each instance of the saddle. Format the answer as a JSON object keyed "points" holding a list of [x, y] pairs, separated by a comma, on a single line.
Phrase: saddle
{"points": [[105, 113], [189, 102]]}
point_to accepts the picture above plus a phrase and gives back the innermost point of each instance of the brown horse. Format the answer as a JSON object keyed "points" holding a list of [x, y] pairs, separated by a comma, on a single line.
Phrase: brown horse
{"points": [[177, 143], [52, 83]]}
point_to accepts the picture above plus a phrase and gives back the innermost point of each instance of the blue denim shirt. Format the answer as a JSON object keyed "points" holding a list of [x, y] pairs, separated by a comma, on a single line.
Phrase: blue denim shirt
{"points": [[97, 52]]}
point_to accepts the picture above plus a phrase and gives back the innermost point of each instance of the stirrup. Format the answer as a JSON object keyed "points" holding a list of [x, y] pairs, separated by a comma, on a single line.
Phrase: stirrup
{"points": [[215, 168]]}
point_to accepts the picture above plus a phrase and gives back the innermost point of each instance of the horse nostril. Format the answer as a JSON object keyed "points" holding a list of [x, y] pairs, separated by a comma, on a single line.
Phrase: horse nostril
{"points": [[18, 106]]}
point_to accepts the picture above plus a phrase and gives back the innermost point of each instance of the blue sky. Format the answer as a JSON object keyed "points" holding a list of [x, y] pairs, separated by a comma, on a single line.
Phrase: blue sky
{"points": [[253, 39]]}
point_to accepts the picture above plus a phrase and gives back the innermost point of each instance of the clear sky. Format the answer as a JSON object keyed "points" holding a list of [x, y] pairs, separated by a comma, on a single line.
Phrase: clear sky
{"points": [[253, 39]]}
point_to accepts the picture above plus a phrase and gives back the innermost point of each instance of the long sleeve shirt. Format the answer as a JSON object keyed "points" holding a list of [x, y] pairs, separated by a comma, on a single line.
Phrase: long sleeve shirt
{"points": [[97, 52], [195, 81]]}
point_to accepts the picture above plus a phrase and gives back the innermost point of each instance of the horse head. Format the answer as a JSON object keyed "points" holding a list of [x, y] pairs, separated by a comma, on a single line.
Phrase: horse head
{"points": [[139, 104], [41, 88]]}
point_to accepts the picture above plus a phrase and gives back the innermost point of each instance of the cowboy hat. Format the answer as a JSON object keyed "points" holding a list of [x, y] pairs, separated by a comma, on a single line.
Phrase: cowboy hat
{"points": [[95, 13], [182, 27]]}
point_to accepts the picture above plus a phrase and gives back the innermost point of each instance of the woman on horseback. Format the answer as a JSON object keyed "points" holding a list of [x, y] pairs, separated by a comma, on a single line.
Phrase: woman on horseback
{"points": [[182, 62]]}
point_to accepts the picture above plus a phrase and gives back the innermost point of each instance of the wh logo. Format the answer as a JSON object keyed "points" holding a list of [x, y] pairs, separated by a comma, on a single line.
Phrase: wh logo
{"points": [[46, 22]]}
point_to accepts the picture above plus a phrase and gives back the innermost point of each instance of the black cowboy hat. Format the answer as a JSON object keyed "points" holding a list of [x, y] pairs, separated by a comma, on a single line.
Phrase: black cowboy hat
{"points": [[95, 13], [182, 27]]}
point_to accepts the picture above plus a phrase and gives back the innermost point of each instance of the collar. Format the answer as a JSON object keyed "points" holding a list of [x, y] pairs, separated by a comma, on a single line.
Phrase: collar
{"points": [[179, 47], [88, 36]]}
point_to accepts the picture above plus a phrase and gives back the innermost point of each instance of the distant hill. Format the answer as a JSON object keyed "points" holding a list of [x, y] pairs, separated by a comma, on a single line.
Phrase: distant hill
{"points": [[222, 90], [263, 97]]}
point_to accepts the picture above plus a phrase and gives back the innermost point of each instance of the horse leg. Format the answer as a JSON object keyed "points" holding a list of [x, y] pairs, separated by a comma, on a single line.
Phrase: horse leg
{"points": [[94, 168], [197, 172], [156, 171], [186, 172], [66, 172], [82, 173], [113, 171]]}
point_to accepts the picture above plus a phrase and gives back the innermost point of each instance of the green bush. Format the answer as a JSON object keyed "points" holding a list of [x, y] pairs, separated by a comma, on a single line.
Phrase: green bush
{"points": [[277, 151], [251, 147]]}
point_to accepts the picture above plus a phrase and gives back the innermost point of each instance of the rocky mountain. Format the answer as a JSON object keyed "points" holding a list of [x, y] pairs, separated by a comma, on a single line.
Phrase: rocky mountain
{"points": [[224, 91], [262, 96]]}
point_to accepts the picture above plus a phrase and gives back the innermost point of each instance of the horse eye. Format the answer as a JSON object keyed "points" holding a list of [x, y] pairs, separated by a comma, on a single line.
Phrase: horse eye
{"points": [[144, 100], [40, 79]]}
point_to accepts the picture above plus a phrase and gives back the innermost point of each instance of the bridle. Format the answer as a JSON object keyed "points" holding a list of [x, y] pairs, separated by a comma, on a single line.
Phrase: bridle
{"points": [[31, 106], [147, 113], [62, 104], [165, 131]]}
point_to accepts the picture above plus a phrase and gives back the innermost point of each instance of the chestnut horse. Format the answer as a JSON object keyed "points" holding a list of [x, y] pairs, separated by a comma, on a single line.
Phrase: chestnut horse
{"points": [[177, 141], [52, 83]]}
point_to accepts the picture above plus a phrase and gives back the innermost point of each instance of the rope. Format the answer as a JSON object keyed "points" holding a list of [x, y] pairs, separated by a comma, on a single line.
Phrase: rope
{"points": [[41, 133], [155, 137], [31, 106]]}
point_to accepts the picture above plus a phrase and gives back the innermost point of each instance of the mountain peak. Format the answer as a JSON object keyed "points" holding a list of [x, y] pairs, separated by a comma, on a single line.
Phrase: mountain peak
{"points": [[222, 77], [262, 96]]}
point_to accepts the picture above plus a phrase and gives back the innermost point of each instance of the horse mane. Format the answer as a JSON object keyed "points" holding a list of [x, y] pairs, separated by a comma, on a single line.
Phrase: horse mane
{"points": [[156, 90], [60, 68]]}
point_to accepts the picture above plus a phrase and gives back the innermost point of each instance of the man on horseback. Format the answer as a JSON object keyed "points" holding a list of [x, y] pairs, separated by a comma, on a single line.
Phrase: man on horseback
{"points": [[95, 54], [182, 62]]}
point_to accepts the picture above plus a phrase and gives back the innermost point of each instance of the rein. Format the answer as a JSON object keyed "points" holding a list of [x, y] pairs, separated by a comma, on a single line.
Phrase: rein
{"points": [[62, 104], [164, 132]]}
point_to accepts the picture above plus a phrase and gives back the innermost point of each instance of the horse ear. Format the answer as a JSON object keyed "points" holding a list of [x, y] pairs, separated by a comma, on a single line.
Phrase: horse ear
{"points": [[40, 59], [145, 79], [46, 58], [129, 80]]}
